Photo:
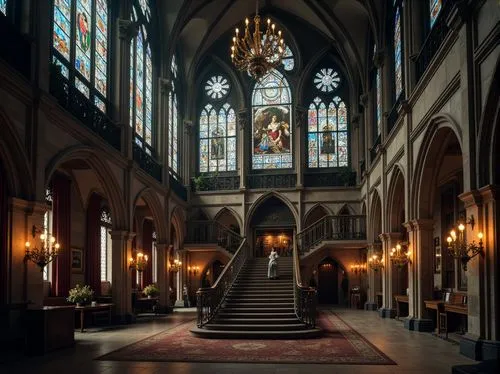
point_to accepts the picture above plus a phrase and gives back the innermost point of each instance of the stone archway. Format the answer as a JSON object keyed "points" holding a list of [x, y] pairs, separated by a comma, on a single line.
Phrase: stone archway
{"points": [[315, 214]]}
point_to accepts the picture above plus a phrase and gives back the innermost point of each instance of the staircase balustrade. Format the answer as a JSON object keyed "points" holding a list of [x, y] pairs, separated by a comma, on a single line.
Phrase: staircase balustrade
{"points": [[213, 232], [305, 298], [348, 227], [210, 299]]}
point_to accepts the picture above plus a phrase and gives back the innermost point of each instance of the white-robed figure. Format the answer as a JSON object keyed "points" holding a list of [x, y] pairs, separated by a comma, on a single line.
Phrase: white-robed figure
{"points": [[272, 267]]}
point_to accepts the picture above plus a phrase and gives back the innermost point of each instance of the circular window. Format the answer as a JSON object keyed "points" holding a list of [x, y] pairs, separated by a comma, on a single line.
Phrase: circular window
{"points": [[217, 87], [326, 80]]}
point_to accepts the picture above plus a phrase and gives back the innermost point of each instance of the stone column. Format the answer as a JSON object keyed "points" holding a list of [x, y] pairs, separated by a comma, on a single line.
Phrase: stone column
{"points": [[161, 271], [389, 275], [299, 142], [25, 277], [121, 275], [163, 131], [421, 273], [482, 341]]}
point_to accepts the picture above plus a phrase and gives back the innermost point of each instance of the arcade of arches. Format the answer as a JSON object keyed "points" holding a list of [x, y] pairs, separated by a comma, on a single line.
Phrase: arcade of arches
{"points": [[140, 138]]}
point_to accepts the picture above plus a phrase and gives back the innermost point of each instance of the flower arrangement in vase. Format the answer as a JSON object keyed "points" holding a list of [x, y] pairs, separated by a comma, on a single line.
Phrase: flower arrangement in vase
{"points": [[80, 295], [151, 291]]}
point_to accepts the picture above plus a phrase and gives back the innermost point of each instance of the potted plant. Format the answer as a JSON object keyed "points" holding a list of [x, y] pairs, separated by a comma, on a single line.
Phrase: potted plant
{"points": [[151, 291], [80, 295]]}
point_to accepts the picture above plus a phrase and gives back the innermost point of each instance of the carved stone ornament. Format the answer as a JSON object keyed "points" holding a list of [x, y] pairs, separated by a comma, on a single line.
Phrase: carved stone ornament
{"points": [[363, 100], [127, 29], [165, 85], [188, 127]]}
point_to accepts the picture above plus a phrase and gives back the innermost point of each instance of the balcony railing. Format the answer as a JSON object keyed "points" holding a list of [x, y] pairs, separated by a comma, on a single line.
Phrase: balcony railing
{"points": [[216, 183], [212, 232], [147, 162], [70, 98], [15, 48], [272, 181], [433, 41], [177, 187], [331, 179], [305, 298], [332, 228]]}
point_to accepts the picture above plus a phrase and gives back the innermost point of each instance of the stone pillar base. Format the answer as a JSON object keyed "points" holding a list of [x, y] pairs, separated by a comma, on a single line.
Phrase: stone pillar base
{"points": [[478, 349], [422, 325], [387, 313], [371, 306]]}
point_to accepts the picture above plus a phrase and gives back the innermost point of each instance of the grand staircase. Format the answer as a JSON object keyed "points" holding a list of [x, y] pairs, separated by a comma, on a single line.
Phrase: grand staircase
{"points": [[259, 308]]}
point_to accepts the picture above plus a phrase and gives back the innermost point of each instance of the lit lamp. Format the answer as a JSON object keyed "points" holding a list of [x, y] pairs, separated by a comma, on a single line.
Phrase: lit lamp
{"points": [[138, 264], [47, 250], [358, 268], [375, 262], [175, 266], [193, 270], [400, 257], [458, 247], [257, 52]]}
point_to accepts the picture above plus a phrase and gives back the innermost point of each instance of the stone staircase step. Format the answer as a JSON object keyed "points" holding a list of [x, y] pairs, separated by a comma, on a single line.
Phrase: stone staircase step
{"points": [[256, 321], [256, 315], [264, 334], [250, 327], [248, 310]]}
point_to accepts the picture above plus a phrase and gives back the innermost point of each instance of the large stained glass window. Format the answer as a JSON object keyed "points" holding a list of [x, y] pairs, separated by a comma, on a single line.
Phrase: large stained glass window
{"points": [[378, 104], [272, 123], [434, 9], [3, 7], [327, 133], [141, 79], [217, 139], [398, 51], [80, 46], [105, 245], [173, 121]]}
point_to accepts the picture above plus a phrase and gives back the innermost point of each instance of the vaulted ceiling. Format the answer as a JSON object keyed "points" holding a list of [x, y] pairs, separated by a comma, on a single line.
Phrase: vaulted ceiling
{"points": [[195, 25]]}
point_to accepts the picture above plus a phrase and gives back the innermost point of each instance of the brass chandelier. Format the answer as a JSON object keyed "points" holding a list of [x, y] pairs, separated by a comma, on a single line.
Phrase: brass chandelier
{"points": [[458, 246], [399, 256], [375, 262], [46, 251], [257, 52]]}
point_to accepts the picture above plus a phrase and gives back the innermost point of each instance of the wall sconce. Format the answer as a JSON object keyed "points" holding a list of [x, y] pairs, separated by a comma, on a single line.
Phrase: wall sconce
{"points": [[193, 270], [399, 256], [175, 266], [358, 268], [458, 247], [46, 252], [139, 263], [375, 262]]}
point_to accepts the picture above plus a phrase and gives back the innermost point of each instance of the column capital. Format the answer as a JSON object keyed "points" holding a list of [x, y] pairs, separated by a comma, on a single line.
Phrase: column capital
{"points": [[363, 100], [490, 193], [127, 29], [390, 236], [471, 198], [122, 235], [422, 224], [27, 206]]}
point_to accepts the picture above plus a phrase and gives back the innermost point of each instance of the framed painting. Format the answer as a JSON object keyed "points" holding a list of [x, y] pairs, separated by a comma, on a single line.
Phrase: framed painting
{"points": [[76, 260]]}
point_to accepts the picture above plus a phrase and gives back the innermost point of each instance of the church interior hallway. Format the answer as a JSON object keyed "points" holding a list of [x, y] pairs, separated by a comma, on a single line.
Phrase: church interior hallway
{"points": [[414, 352]]}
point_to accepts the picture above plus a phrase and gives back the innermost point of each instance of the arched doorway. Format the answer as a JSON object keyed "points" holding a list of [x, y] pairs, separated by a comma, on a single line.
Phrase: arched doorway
{"points": [[212, 273], [273, 225], [328, 281]]}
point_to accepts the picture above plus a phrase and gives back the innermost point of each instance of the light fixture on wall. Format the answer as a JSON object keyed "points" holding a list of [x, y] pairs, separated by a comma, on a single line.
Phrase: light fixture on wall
{"points": [[193, 270], [400, 255], [458, 246], [139, 263], [175, 265], [358, 268], [45, 252], [257, 52], [376, 262]]}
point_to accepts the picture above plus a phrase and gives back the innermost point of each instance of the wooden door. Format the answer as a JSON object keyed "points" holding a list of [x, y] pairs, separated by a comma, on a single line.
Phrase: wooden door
{"points": [[328, 284]]}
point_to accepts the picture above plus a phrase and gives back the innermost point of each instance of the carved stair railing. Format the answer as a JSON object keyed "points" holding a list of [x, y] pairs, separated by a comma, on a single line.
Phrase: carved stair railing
{"points": [[305, 298], [210, 299], [342, 227], [213, 232]]}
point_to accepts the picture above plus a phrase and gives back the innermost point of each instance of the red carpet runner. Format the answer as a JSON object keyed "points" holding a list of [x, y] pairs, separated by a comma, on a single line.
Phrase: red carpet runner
{"points": [[340, 344]]}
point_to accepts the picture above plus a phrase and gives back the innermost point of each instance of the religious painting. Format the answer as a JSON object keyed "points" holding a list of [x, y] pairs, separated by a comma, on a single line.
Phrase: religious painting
{"points": [[76, 260], [271, 130], [217, 144], [327, 144]]}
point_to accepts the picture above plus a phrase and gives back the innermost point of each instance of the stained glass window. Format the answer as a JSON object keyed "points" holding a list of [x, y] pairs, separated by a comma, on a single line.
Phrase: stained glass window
{"points": [[288, 60], [217, 132], [434, 9], [141, 79], [272, 123], [80, 46], [3, 6], [326, 80], [105, 236], [217, 87], [378, 105], [398, 53], [327, 133], [173, 121]]}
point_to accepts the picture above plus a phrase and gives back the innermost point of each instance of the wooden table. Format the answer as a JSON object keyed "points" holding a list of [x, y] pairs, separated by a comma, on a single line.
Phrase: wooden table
{"points": [[400, 299], [146, 304], [93, 308]]}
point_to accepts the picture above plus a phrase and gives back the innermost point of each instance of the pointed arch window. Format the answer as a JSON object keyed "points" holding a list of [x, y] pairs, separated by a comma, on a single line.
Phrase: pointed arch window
{"points": [[434, 9], [378, 103], [272, 125], [80, 46], [3, 7], [398, 49], [105, 226], [47, 229], [173, 121], [141, 78]]}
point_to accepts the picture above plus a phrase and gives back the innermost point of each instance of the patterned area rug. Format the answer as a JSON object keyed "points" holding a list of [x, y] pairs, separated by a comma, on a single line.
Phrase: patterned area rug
{"points": [[340, 344]]}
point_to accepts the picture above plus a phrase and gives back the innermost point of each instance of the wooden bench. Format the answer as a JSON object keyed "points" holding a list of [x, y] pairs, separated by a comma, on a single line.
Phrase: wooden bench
{"points": [[454, 303], [401, 299]]}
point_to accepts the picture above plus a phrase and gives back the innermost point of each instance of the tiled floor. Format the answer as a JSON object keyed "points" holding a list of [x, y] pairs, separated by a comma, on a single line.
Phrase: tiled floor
{"points": [[415, 353]]}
